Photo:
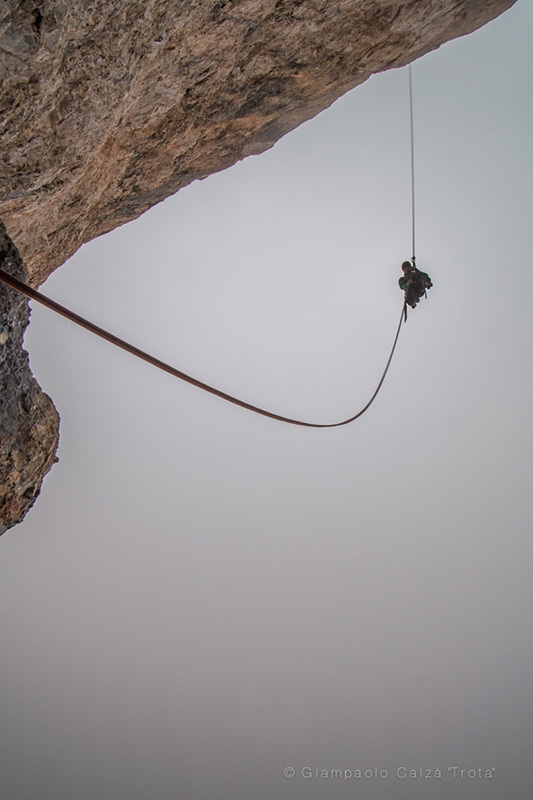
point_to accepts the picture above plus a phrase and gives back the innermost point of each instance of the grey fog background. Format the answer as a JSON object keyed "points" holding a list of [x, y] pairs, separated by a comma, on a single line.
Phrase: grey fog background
{"points": [[201, 597]]}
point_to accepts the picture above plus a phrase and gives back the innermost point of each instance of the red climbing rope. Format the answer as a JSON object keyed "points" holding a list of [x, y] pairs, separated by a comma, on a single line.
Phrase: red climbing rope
{"points": [[33, 294]]}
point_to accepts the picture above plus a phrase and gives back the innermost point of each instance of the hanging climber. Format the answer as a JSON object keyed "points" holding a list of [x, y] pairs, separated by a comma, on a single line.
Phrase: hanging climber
{"points": [[414, 283]]}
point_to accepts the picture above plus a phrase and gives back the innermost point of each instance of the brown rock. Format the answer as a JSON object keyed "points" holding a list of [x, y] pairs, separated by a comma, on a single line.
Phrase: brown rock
{"points": [[108, 108]]}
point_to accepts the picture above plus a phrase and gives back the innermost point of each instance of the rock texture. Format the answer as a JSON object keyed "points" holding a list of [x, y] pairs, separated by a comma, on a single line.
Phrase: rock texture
{"points": [[109, 107], [106, 108], [28, 420]]}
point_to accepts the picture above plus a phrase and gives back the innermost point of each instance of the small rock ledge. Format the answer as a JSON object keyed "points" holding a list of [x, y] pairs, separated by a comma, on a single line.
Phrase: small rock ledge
{"points": [[29, 423]]}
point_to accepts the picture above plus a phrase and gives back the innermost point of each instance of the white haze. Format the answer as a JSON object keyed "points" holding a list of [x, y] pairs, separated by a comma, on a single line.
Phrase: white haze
{"points": [[202, 598]]}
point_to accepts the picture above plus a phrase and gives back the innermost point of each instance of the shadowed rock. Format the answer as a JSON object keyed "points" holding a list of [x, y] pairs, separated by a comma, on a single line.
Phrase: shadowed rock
{"points": [[29, 423], [107, 108]]}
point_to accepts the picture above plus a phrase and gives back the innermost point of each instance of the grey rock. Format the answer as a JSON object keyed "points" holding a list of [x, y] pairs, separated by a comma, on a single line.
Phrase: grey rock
{"points": [[29, 423]]}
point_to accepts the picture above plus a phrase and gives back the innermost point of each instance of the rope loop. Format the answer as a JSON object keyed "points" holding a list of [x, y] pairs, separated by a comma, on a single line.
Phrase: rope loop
{"points": [[33, 294]]}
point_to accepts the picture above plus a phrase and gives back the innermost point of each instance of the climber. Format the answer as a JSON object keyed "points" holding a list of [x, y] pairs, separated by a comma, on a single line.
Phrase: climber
{"points": [[414, 283]]}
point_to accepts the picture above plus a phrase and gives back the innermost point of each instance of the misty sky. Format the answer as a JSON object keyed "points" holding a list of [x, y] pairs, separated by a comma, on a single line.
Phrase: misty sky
{"points": [[202, 598]]}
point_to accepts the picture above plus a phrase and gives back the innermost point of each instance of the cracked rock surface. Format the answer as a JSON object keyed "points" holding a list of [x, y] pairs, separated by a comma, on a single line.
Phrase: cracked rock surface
{"points": [[106, 108], [109, 106]]}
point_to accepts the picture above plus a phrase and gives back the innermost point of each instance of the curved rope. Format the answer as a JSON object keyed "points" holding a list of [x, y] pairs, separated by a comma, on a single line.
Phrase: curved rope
{"points": [[33, 294]]}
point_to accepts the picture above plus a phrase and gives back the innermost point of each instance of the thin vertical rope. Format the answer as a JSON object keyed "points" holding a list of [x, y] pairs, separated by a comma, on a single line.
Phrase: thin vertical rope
{"points": [[412, 127]]}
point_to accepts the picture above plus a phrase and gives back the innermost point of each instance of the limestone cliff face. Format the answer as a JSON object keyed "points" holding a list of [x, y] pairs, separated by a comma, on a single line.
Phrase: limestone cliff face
{"points": [[106, 108], [109, 107]]}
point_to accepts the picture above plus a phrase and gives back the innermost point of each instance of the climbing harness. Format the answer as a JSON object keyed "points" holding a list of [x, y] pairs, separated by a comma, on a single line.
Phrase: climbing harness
{"points": [[33, 294]]}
